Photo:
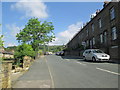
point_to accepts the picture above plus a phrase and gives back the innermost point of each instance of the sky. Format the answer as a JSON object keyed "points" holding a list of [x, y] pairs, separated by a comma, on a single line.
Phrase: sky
{"points": [[67, 18]]}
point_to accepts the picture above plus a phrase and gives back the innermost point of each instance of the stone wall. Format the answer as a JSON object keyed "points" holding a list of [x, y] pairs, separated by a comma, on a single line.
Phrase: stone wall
{"points": [[6, 74], [27, 62]]}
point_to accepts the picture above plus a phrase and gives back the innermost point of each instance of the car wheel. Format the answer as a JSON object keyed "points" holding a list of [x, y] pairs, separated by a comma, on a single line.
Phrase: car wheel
{"points": [[93, 59], [84, 58]]}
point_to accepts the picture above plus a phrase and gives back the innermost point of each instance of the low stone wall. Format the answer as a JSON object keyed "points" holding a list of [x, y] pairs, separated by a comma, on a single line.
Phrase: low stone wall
{"points": [[27, 62], [0, 75], [7, 71], [6, 74]]}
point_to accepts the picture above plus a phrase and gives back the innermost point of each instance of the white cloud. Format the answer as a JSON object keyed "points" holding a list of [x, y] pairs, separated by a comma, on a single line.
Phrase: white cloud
{"points": [[10, 35], [31, 9], [65, 36], [13, 29]]}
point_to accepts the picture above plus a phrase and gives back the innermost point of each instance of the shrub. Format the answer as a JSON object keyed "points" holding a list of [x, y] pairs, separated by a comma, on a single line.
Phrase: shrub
{"points": [[23, 50]]}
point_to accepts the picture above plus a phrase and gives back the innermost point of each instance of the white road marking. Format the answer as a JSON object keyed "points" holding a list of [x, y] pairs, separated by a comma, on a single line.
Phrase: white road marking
{"points": [[80, 63], [107, 71], [53, 84], [67, 60]]}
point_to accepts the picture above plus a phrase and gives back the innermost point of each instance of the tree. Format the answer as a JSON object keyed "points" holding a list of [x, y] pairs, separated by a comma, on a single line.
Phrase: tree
{"points": [[1, 41], [36, 33], [10, 48], [23, 50]]}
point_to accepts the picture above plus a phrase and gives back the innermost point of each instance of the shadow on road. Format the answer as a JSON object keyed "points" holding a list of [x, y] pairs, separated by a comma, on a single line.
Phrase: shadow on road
{"points": [[90, 61], [80, 59], [71, 57]]}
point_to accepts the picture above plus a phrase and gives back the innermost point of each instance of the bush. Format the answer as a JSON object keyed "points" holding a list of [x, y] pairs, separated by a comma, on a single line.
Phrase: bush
{"points": [[23, 50], [40, 52]]}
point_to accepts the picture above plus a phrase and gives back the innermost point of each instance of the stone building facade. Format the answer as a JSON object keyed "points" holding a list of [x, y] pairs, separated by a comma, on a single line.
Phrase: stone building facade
{"points": [[102, 31]]}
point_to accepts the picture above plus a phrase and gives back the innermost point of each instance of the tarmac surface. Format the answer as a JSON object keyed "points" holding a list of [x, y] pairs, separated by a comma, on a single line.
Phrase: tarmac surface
{"points": [[65, 72]]}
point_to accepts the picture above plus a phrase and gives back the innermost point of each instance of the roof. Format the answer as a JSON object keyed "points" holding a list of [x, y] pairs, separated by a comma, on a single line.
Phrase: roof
{"points": [[92, 49], [89, 21], [5, 52]]}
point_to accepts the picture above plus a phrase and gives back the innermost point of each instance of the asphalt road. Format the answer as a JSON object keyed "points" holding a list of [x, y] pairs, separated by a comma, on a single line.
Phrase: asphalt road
{"points": [[67, 72]]}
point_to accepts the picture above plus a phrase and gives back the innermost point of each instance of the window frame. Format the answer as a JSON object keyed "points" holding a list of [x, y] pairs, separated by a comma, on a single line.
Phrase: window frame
{"points": [[112, 13], [100, 22], [114, 33], [101, 38], [105, 36], [93, 40]]}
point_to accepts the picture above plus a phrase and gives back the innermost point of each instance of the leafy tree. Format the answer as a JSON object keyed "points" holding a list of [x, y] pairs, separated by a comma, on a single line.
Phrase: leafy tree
{"points": [[23, 50], [40, 52], [1, 41], [9, 49], [36, 33]]}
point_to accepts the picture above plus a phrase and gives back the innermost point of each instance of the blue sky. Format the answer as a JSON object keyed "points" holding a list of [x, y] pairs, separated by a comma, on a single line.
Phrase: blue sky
{"points": [[67, 18]]}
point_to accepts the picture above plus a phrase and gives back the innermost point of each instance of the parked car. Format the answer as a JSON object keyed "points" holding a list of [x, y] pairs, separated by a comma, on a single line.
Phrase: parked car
{"points": [[61, 53], [95, 55], [46, 53], [57, 53]]}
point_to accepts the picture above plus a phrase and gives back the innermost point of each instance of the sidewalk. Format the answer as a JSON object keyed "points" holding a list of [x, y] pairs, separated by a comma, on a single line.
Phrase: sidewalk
{"points": [[37, 77]]}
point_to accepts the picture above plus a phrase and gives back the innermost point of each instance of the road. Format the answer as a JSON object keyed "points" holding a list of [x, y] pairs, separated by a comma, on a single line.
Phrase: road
{"points": [[66, 72], [75, 73]]}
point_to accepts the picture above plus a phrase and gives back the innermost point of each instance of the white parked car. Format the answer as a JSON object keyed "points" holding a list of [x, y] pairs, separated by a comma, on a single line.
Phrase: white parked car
{"points": [[95, 55]]}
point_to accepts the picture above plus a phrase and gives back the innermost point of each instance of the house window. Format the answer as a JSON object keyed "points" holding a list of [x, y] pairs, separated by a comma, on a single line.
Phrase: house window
{"points": [[90, 43], [105, 37], [112, 13], [100, 23], [101, 38], [114, 33], [87, 43], [93, 41], [92, 27]]}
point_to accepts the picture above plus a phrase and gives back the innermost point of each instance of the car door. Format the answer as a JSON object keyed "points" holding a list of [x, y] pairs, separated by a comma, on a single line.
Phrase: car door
{"points": [[89, 56], [86, 54]]}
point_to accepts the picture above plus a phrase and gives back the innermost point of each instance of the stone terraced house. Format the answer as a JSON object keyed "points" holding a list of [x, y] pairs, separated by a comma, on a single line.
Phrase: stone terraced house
{"points": [[102, 31]]}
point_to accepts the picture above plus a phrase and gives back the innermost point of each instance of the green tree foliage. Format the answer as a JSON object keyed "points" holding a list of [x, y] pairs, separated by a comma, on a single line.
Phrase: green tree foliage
{"points": [[40, 52], [9, 49], [1, 41], [24, 50], [56, 48], [53, 49], [36, 33]]}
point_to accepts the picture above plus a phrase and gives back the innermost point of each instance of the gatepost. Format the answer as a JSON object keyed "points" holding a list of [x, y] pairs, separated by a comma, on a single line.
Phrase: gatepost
{"points": [[6, 71]]}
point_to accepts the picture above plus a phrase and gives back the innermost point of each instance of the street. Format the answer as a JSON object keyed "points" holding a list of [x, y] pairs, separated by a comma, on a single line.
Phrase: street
{"points": [[66, 72]]}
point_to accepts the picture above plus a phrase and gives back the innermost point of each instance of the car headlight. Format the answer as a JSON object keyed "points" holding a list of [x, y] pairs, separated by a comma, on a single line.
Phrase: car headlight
{"points": [[104, 55]]}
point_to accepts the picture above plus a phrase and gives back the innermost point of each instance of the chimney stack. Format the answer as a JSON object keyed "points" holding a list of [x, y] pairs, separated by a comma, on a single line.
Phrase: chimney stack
{"points": [[105, 3], [97, 11]]}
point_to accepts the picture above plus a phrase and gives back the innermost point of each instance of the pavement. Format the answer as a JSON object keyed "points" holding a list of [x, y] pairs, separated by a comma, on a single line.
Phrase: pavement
{"points": [[54, 71], [37, 77]]}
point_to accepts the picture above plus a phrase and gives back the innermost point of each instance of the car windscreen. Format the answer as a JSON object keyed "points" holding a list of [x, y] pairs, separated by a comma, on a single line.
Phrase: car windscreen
{"points": [[98, 51]]}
